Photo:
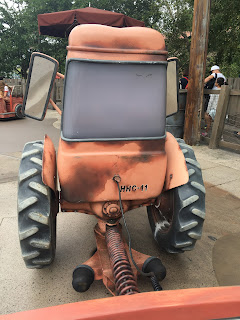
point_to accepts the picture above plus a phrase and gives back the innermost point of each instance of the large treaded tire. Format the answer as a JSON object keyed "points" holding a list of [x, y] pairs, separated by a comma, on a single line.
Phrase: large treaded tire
{"points": [[37, 209], [177, 220]]}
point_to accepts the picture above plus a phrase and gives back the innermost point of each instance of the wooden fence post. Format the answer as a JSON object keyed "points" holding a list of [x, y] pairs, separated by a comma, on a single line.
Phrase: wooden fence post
{"points": [[220, 116]]}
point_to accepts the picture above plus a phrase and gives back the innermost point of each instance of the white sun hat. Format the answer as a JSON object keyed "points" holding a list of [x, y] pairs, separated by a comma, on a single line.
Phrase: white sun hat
{"points": [[215, 68]]}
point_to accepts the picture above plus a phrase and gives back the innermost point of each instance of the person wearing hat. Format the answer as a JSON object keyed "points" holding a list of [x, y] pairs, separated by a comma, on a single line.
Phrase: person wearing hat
{"points": [[3, 108], [212, 107], [4, 90], [215, 74]]}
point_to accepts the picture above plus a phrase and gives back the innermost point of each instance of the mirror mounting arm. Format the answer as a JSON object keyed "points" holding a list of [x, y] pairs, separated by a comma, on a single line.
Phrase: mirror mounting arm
{"points": [[55, 106], [60, 75]]}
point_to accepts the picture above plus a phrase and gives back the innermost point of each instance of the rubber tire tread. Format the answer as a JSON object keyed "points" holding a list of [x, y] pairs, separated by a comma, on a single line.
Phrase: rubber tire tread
{"points": [[19, 113], [177, 239], [38, 249]]}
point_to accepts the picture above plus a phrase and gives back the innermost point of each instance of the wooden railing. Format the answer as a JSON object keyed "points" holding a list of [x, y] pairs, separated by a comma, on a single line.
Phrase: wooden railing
{"points": [[227, 118]]}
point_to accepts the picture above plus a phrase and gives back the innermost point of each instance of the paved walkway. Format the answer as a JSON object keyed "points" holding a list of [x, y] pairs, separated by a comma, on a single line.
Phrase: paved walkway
{"points": [[220, 168]]}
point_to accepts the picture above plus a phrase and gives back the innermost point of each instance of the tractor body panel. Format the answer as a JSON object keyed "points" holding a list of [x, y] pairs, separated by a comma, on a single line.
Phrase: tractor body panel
{"points": [[97, 42], [98, 208], [49, 168], [86, 170], [177, 172], [5, 110], [15, 102]]}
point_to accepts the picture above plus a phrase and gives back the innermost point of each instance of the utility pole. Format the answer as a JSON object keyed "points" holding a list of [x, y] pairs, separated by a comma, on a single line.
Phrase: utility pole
{"points": [[197, 67]]}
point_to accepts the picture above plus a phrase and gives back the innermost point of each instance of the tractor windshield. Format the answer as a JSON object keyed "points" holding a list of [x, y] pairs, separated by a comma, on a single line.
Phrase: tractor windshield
{"points": [[105, 101]]}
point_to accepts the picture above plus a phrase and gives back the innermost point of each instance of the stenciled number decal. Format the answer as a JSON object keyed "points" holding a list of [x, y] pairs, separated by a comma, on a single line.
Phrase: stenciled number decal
{"points": [[143, 187]]}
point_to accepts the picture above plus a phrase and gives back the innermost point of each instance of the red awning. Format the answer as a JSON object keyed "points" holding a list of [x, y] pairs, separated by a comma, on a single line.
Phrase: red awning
{"points": [[59, 24]]}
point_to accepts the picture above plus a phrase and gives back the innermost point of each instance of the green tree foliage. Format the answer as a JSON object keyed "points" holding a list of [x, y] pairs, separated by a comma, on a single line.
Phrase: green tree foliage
{"points": [[224, 36], [176, 25], [19, 34], [224, 33], [13, 35], [19, 30], [144, 10]]}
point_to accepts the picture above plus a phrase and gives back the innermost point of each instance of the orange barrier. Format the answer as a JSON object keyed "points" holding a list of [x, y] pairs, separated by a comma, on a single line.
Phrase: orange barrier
{"points": [[188, 304]]}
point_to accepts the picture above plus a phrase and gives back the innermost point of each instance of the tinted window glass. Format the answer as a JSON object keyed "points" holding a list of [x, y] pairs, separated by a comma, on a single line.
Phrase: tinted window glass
{"points": [[106, 100]]}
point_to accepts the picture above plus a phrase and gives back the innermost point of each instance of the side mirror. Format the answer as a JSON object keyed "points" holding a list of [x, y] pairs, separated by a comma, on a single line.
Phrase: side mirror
{"points": [[172, 87], [41, 76]]}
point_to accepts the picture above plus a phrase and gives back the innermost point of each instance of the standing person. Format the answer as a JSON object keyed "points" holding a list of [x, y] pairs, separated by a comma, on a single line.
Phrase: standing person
{"points": [[4, 90], [215, 75], [210, 82], [184, 80], [212, 106], [3, 108]]}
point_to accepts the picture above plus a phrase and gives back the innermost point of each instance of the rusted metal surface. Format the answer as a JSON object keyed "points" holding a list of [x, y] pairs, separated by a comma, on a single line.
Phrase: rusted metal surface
{"points": [[96, 208], [111, 209], [7, 115], [86, 170], [16, 101], [49, 173], [163, 209], [104, 43], [125, 283], [176, 172], [100, 261], [197, 68], [9, 104], [7, 108], [3, 108]]}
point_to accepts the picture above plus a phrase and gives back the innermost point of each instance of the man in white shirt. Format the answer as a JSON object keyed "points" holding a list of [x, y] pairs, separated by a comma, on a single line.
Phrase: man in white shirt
{"points": [[212, 106], [215, 74]]}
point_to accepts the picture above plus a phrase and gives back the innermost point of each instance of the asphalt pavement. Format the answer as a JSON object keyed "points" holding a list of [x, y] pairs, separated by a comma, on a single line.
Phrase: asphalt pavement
{"points": [[214, 261]]}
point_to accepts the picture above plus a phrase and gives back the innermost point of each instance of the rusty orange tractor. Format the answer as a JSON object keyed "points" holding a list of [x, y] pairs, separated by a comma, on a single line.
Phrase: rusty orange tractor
{"points": [[12, 109], [114, 155]]}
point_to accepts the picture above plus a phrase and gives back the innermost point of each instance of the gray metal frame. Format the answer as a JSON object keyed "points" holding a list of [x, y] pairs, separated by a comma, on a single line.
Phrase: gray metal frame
{"points": [[29, 79], [108, 62]]}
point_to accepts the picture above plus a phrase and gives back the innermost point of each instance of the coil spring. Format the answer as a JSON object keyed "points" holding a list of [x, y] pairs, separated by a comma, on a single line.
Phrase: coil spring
{"points": [[156, 285], [122, 271]]}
